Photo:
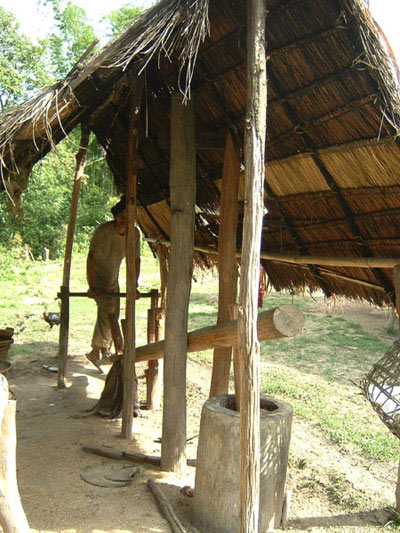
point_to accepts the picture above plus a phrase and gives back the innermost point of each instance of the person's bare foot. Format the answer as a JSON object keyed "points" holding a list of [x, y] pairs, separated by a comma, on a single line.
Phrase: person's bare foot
{"points": [[94, 357]]}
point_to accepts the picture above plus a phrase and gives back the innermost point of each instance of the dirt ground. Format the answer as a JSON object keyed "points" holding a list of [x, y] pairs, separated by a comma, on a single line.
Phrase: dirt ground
{"points": [[50, 456]]}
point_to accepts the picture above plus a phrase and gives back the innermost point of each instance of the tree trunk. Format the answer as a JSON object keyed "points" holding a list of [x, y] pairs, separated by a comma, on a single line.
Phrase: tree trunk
{"points": [[183, 197], [249, 349], [227, 263]]}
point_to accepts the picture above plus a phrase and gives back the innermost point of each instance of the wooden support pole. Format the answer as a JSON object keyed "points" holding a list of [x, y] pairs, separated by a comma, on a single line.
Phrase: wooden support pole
{"points": [[129, 376], [237, 373], [153, 398], [64, 315], [248, 346], [276, 323], [12, 515], [227, 263], [183, 197]]}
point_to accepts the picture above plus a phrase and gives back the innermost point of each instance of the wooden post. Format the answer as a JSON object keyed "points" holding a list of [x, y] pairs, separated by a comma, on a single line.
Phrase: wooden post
{"points": [[129, 377], [64, 315], [12, 515], [237, 373], [227, 264], [183, 197], [249, 349], [153, 399], [163, 255]]}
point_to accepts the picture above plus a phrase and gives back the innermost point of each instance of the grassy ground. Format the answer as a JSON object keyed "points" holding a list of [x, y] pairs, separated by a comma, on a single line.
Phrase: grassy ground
{"points": [[314, 371]]}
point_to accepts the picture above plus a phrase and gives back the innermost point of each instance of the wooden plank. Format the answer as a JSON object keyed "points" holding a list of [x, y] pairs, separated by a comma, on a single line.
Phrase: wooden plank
{"points": [[129, 374], [248, 346], [227, 263], [276, 323], [183, 197], [64, 314]]}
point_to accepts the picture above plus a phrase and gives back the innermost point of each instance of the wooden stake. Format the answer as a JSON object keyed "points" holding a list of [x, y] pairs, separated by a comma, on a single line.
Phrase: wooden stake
{"points": [[183, 197], [249, 350], [129, 378], [64, 315], [227, 264], [166, 507]]}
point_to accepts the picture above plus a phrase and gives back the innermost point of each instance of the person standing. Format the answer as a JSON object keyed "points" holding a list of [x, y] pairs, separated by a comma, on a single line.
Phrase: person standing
{"points": [[106, 251]]}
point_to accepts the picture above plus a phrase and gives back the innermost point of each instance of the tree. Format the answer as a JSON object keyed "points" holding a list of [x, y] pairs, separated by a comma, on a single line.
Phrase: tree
{"points": [[22, 66], [72, 37], [120, 19]]}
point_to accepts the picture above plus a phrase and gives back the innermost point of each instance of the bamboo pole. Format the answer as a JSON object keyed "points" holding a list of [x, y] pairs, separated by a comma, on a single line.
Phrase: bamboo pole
{"points": [[248, 346], [129, 374], [64, 315], [183, 197], [227, 264]]}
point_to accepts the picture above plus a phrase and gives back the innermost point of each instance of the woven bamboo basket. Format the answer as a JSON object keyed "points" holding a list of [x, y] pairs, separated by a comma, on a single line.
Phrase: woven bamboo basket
{"points": [[381, 387]]}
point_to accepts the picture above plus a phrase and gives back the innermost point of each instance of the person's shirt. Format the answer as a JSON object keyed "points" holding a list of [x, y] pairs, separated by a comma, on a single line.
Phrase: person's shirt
{"points": [[109, 246]]}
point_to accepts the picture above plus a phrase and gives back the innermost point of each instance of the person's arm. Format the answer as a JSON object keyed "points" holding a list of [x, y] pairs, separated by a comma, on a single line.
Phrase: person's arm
{"points": [[91, 274]]}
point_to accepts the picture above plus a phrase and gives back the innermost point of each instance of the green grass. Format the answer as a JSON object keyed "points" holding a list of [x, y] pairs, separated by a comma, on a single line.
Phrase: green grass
{"points": [[314, 371]]}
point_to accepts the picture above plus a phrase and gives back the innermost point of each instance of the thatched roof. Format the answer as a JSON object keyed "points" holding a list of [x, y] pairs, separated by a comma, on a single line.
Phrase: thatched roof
{"points": [[332, 179]]}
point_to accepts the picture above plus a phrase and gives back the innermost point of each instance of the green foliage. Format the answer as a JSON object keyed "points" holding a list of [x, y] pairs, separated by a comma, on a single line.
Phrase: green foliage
{"points": [[22, 67], [71, 39], [45, 204], [120, 19]]}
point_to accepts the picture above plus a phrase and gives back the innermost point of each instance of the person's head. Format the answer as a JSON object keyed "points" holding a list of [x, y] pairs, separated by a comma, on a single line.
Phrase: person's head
{"points": [[118, 212]]}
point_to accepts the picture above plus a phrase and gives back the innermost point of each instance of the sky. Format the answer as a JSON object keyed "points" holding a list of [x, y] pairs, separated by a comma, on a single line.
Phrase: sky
{"points": [[36, 22]]}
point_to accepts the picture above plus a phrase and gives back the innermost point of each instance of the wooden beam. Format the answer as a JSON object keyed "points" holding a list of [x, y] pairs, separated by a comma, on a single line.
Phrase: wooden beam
{"points": [[129, 373], [276, 323], [248, 346], [227, 262], [183, 197], [352, 261], [207, 140], [64, 315]]}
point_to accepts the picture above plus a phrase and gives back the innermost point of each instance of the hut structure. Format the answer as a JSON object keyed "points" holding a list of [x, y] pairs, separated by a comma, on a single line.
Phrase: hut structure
{"points": [[331, 198]]}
